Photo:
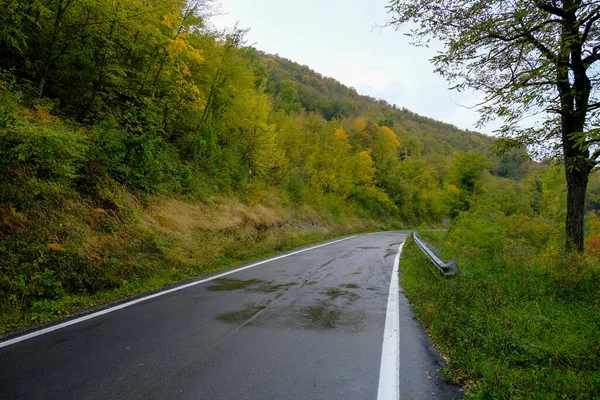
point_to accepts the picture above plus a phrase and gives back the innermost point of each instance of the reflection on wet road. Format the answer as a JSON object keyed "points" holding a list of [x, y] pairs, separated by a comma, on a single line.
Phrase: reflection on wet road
{"points": [[308, 326]]}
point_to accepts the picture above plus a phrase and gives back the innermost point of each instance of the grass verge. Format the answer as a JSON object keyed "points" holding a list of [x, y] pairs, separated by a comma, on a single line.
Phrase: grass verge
{"points": [[511, 330], [163, 243]]}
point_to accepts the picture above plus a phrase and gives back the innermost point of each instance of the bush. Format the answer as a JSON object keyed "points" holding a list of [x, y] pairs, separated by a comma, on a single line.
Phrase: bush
{"points": [[51, 152], [375, 201], [296, 188], [475, 233], [139, 161]]}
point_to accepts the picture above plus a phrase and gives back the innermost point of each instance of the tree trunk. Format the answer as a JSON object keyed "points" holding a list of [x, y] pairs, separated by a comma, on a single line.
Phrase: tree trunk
{"points": [[60, 11], [576, 189]]}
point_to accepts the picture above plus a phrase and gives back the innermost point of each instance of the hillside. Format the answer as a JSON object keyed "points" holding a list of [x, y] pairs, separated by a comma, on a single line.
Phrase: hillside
{"points": [[298, 87], [107, 113], [129, 137], [111, 116]]}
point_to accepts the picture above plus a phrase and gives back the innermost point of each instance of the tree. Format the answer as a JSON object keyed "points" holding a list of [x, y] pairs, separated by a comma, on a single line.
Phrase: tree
{"points": [[529, 57], [466, 171]]}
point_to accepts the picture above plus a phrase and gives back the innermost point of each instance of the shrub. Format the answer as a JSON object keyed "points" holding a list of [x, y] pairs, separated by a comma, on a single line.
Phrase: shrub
{"points": [[139, 161], [296, 188], [476, 233], [51, 152], [375, 201], [592, 247]]}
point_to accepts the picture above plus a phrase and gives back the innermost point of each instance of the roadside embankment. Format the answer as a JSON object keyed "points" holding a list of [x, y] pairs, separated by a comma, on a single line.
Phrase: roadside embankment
{"points": [[71, 255], [511, 325]]}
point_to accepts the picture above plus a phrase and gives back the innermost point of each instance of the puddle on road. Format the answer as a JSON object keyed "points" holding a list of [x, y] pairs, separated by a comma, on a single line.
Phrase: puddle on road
{"points": [[350, 286], [268, 288], [322, 316], [251, 285], [334, 293], [242, 315], [225, 285], [334, 311], [327, 316]]}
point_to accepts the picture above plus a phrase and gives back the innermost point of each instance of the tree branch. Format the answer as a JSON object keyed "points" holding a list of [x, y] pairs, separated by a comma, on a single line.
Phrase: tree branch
{"points": [[552, 9], [589, 25]]}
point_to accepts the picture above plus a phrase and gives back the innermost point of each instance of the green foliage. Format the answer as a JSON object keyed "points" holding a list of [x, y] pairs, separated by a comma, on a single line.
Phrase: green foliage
{"points": [[510, 164], [48, 151], [54, 153], [375, 201], [139, 161], [297, 188], [287, 95], [510, 328], [466, 171], [526, 58], [477, 233]]}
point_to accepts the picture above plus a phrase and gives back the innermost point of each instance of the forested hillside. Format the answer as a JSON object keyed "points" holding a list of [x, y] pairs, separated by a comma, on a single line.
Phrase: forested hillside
{"points": [[298, 87], [131, 132]]}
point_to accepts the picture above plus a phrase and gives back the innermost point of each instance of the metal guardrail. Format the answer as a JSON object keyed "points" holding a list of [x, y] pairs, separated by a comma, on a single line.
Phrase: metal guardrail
{"points": [[447, 269]]}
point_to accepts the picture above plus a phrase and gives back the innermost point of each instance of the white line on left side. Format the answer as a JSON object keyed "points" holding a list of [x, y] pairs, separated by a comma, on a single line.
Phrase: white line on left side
{"points": [[389, 372], [161, 293]]}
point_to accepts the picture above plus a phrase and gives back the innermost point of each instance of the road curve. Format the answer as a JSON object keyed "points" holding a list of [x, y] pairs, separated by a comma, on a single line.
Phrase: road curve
{"points": [[306, 326]]}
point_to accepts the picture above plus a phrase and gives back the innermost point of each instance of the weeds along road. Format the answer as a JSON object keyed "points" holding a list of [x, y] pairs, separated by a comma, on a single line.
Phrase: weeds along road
{"points": [[308, 325]]}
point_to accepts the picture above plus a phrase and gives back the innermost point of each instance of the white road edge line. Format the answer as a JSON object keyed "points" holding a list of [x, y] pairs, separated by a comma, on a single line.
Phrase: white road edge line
{"points": [[152, 296], [389, 372]]}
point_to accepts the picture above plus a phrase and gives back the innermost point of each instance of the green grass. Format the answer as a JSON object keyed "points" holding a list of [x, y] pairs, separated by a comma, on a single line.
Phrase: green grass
{"points": [[511, 330]]}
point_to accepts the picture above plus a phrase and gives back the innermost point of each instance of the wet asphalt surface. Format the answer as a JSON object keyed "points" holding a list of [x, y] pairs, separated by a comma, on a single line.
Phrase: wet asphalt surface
{"points": [[308, 326]]}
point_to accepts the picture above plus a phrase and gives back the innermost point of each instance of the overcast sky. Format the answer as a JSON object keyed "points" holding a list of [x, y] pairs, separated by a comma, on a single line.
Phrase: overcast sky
{"points": [[339, 38]]}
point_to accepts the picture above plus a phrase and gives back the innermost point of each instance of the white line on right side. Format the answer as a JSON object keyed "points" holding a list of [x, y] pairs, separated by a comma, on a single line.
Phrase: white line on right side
{"points": [[389, 372]]}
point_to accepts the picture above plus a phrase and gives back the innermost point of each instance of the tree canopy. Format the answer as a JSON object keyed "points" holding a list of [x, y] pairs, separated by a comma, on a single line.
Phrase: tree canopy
{"points": [[531, 58]]}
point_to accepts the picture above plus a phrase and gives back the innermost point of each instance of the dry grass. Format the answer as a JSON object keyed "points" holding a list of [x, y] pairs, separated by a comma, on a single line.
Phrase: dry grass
{"points": [[198, 234], [124, 248]]}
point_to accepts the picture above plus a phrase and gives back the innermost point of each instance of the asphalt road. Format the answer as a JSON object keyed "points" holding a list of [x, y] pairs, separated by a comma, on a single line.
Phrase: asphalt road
{"points": [[306, 326]]}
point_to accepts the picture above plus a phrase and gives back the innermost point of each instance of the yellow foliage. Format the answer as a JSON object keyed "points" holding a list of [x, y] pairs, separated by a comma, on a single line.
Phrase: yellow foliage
{"points": [[170, 19], [364, 170], [269, 160], [359, 124], [185, 70], [385, 145], [55, 247], [195, 55], [177, 46], [390, 137], [342, 139]]}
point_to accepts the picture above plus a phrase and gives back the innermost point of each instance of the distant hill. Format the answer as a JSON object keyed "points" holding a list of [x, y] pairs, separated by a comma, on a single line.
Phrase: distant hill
{"points": [[294, 86]]}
